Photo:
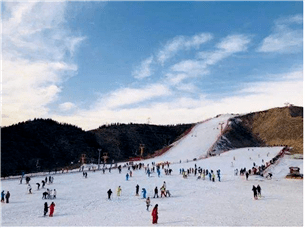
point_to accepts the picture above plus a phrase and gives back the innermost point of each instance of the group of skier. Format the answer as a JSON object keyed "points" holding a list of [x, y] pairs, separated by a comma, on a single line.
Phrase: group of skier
{"points": [[201, 172]]}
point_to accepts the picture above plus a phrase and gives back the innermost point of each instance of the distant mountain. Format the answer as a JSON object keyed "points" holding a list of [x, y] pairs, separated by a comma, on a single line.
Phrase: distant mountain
{"points": [[277, 126], [44, 144]]}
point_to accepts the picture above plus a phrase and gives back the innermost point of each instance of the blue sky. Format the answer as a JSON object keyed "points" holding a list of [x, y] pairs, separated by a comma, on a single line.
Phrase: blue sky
{"points": [[92, 63]]}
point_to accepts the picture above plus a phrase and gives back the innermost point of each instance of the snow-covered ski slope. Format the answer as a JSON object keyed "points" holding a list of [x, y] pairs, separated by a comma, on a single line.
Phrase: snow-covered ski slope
{"points": [[193, 202], [197, 142], [83, 201]]}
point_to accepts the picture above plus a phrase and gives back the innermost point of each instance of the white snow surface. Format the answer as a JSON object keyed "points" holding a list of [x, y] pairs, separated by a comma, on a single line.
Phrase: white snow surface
{"points": [[197, 143], [83, 201]]}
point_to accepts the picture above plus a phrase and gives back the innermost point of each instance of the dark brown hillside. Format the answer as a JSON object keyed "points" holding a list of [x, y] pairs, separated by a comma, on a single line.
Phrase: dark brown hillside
{"points": [[278, 126]]}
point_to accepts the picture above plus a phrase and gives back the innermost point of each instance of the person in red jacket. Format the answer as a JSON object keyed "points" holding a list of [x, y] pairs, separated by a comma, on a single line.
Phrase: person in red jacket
{"points": [[52, 209], [155, 214]]}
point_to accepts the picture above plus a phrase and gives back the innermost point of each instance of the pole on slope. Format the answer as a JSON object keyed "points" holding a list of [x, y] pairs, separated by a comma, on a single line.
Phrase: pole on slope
{"points": [[99, 158]]}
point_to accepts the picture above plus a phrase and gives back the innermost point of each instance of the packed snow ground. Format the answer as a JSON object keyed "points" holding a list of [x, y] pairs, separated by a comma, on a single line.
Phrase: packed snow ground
{"points": [[83, 201]]}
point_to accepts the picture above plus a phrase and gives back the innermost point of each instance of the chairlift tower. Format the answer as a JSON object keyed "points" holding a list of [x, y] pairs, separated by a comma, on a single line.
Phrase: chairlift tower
{"points": [[99, 158], [105, 157], [83, 158], [141, 146]]}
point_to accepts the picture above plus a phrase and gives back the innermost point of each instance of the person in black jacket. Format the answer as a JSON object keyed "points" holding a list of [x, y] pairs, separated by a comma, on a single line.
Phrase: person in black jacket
{"points": [[45, 208], [259, 190], [155, 192], [137, 190], [7, 196], [109, 193], [254, 189]]}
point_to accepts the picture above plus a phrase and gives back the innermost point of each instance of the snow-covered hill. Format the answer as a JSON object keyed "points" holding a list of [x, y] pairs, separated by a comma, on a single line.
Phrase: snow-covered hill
{"points": [[83, 201]]}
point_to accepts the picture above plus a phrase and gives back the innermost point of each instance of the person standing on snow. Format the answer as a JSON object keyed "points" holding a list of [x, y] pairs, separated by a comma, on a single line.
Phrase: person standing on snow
{"points": [[148, 203], [213, 177], [127, 177], [254, 189], [137, 190], [144, 193], [7, 196], [209, 175], [109, 193], [155, 192], [29, 189], [155, 214], [45, 208], [54, 194], [52, 209], [247, 175], [259, 190], [218, 174], [2, 196], [119, 191]]}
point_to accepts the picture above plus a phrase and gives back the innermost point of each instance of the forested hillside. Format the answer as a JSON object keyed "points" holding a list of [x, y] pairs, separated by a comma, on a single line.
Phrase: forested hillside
{"points": [[44, 144]]}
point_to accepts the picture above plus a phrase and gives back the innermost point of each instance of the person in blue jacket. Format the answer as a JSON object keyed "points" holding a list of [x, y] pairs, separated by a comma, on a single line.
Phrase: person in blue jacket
{"points": [[127, 176], [144, 193]]}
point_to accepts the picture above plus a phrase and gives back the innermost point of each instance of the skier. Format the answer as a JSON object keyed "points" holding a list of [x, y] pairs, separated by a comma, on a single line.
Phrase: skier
{"points": [[2, 196], [29, 189], [43, 183], [127, 177], [213, 177], [168, 193], [45, 208], [38, 185], [109, 193], [137, 190], [148, 172], [259, 190], [54, 194], [52, 209], [209, 175], [163, 191], [148, 203], [28, 180], [119, 191], [218, 174], [164, 184], [155, 192], [45, 194], [247, 176], [155, 214], [254, 189], [7, 196], [158, 172], [144, 193]]}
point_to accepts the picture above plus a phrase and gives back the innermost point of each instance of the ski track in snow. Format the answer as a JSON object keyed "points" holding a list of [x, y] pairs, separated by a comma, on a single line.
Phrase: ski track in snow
{"points": [[83, 201]]}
